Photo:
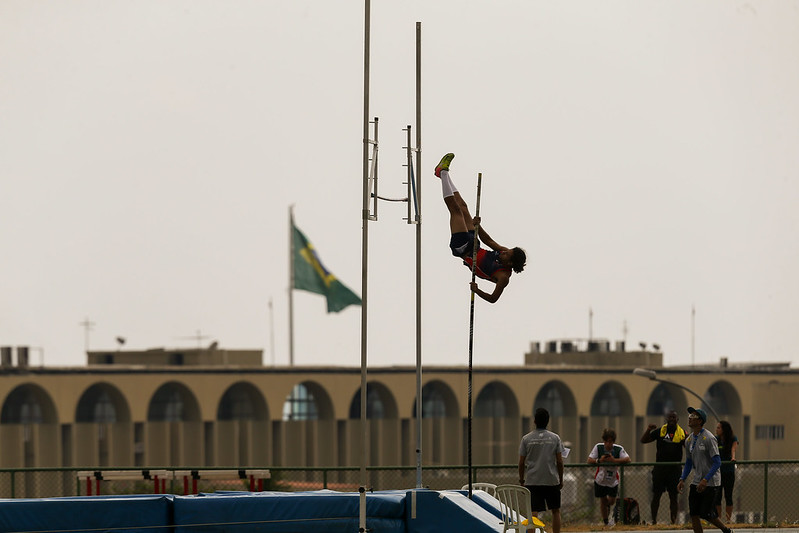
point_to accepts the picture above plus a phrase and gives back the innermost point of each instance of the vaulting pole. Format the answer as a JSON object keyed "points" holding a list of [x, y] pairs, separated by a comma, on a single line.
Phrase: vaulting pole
{"points": [[471, 332]]}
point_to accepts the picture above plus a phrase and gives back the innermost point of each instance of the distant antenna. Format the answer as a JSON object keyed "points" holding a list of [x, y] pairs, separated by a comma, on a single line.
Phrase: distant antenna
{"points": [[88, 325], [199, 337], [271, 332], [693, 334]]}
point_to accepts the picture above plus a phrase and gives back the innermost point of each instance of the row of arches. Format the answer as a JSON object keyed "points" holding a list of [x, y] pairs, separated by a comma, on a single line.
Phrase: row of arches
{"points": [[175, 402]]}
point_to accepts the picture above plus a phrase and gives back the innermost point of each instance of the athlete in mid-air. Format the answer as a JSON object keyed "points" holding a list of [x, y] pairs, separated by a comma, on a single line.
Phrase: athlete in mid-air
{"points": [[495, 265]]}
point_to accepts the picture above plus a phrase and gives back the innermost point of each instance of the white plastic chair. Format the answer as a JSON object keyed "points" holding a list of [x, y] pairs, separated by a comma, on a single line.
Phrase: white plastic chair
{"points": [[517, 512], [490, 488]]}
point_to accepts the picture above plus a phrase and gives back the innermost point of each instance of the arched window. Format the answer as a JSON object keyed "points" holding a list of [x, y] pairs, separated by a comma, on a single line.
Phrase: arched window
{"points": [[28, 404], [611, 400], [242, 401], [550, 399], [438, 401], [172, 402], [167, 406], [379, 403], [308, 401], [556, 398], [495, 400], [660, 401], [434, 405], [723, 398], [101, 404], [300, 404]]}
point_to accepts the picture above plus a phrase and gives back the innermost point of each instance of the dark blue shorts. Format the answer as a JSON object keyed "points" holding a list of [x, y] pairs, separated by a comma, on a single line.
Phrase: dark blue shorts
{"points": [[703, 504], [601, 491], [462, 243]]}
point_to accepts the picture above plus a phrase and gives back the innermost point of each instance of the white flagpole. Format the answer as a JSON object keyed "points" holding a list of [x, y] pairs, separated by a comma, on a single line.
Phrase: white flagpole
{"points": [[291, 285]]}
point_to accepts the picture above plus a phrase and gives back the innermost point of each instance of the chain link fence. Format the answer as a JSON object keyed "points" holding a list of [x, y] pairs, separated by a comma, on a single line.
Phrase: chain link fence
{"points": [[766, 492]]}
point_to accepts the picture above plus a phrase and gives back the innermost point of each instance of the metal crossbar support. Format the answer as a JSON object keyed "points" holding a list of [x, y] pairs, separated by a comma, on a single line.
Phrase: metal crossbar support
{"points": [[413, 216], [373, 171]]}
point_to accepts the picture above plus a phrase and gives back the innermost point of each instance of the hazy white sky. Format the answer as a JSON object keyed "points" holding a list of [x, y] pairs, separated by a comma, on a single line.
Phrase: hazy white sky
{"points": [[646, 154]]}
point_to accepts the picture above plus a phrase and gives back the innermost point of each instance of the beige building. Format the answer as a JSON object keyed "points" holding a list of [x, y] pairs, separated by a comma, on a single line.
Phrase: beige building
{"points": [[216, 407]]}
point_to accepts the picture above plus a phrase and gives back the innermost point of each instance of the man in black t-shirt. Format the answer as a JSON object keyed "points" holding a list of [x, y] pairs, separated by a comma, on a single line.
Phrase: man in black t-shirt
{"points": [[670, 439]]}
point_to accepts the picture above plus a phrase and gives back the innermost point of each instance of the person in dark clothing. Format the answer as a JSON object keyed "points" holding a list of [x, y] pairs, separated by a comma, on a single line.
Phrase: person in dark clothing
{"points": [[670, 441], [728, 446]]}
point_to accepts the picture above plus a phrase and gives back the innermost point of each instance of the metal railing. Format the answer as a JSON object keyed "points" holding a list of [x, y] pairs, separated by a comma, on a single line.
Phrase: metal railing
{"points": [[765, 491]]}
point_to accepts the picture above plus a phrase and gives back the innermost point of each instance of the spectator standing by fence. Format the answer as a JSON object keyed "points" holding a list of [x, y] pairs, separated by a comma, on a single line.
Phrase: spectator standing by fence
{"points": [[703, 458], [541, 467], [669, 439], [607, 455], [728, 445]]}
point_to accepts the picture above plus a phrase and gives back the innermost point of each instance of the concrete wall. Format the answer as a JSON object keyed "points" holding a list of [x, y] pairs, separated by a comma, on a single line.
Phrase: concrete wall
{"points": [[756, 398]]}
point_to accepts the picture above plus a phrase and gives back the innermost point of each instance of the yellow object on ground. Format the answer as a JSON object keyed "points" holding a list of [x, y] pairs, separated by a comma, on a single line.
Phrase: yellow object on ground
{"points": [[536, 522]]}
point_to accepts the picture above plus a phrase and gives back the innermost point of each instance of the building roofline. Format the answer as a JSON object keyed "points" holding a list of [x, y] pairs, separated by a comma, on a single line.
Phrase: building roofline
{"points": [[748, 368]]}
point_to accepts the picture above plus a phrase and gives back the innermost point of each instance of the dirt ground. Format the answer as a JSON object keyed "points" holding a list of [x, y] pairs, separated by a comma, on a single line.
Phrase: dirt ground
{"points": [[668, 527]]}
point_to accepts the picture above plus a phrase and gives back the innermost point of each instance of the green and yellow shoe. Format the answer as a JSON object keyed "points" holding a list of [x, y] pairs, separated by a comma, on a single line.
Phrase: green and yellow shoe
{"points": [[444, 164]]}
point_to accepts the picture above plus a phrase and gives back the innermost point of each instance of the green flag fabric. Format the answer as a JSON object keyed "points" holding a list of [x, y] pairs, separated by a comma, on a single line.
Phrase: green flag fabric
{"points": [[310, 275]]}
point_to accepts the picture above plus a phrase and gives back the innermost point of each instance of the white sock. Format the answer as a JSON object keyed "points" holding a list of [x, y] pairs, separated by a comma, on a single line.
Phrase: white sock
{"points": [[447, 187]]}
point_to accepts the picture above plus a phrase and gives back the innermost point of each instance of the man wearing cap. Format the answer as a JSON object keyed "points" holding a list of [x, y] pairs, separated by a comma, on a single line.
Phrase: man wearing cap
{"points": [[702, 456]]}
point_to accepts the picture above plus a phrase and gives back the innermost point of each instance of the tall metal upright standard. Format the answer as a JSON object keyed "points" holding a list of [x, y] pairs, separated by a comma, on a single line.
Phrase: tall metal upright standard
{"points": [[364, 264], [418, 254], [366, 217]]}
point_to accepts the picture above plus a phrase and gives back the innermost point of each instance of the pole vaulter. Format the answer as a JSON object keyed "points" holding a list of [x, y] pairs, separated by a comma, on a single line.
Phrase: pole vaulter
{"points": [[496, 265]]}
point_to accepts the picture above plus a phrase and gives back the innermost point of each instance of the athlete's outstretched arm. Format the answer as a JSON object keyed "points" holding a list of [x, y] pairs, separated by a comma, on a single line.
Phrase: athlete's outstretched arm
{"points": [[486, 238], [503, 278]]}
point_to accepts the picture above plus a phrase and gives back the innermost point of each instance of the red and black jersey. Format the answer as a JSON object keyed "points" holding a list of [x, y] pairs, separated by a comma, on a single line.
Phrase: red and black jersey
{"points": [[487, 264]]}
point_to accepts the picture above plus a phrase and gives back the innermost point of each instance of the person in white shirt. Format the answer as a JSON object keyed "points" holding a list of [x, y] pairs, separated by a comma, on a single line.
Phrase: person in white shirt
{"points": [[607, 455]]}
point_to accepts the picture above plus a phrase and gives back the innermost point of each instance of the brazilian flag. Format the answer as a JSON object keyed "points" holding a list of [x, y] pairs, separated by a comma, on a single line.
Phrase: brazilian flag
{"points": [[311, 275]]}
